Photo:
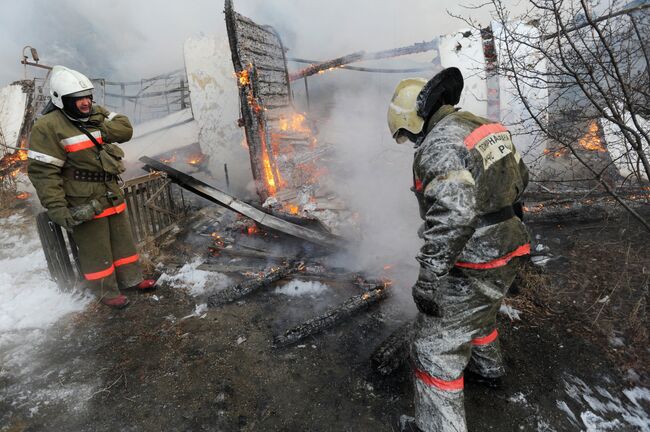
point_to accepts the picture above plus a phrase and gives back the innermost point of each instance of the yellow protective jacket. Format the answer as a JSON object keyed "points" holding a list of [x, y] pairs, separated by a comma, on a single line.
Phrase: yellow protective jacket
{"points": [[56, 144]]}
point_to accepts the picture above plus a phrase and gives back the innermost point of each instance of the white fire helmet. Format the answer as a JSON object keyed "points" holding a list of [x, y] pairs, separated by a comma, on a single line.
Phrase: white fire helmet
{"points": [[68, 82]]}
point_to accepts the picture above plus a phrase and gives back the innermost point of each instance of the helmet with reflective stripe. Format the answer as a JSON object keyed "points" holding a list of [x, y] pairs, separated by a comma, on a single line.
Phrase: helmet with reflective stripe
{"points": [[68, 82], [402, 112]]}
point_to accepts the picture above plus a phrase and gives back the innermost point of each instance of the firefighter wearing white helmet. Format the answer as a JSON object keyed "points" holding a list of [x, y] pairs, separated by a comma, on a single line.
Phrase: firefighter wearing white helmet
{"points": [[467, 177], [75, 165], [67, 84]]}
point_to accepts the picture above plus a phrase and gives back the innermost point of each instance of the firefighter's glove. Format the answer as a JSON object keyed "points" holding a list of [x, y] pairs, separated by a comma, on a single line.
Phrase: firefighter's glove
{"points": [[62, 216], [86, 212], [96, 119], [424, 295]]}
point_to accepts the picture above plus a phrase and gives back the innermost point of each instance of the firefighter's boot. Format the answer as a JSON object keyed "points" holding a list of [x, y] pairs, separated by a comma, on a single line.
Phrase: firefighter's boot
{"points": [[119, 302], [407, 424], [145, 285]]}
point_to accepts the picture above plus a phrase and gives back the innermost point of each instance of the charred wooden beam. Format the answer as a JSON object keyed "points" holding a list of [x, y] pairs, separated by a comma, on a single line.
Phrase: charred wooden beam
{"points": [[361, 56], [332, 317], [258, 55], [219, 197], [394, 350], [329, 64], [249, 286]]}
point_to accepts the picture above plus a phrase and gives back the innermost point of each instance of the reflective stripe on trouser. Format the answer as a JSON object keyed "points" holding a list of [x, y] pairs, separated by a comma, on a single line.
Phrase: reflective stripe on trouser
{"points": [[486, 359], [467, 302], [107, 254]]}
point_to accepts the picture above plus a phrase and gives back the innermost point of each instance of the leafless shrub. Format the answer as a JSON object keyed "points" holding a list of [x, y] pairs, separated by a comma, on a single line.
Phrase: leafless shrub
{"points": [[597, 78]]}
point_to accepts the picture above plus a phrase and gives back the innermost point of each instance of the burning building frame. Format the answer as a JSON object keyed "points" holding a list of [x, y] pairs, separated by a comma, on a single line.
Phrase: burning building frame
{"points": [[281, 143]]}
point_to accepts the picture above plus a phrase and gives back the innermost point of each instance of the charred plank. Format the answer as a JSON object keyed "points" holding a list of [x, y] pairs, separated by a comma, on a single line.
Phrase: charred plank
{"points": [[394, 350], [251, 285], [362, 55], [332, 317]]}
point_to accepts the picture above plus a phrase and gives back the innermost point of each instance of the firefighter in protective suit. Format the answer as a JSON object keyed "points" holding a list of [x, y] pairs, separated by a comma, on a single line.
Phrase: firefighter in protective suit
{"points": [[467, 177], [74, 167]]}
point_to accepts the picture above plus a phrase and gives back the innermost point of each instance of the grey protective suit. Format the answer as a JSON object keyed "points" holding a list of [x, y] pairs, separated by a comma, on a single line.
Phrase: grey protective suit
{"points": [[467, 175]]}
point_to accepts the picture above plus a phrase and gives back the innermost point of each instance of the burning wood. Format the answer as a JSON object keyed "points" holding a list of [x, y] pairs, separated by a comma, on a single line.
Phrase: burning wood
{"points": [[219, 197], [333, 316], [286, 159], [393, 351], [591, 140], [12, 163], [253, 284]]}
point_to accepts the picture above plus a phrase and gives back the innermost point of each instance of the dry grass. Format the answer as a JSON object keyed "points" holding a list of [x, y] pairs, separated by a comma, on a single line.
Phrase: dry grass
{"points": [[8, 191], [600, 293]]}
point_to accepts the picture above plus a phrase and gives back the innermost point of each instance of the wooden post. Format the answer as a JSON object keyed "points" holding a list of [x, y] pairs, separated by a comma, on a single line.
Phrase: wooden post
{"points": [[183, 106]]}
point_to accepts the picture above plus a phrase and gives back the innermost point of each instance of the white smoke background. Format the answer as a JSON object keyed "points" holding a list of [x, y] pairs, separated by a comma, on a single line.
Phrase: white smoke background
{"points": [[372, 174], [123, 39]]}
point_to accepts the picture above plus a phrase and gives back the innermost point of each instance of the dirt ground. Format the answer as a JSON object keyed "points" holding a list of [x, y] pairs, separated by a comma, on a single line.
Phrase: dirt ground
{"points": [[156, 366]]}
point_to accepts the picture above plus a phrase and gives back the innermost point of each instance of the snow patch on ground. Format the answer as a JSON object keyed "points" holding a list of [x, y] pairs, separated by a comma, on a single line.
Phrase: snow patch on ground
{"points": [[603, 411], [510, 312], [198, 282], [31, 303], [565, 408], [543, 426], [299, 288], [30, 299], [518, 398]]}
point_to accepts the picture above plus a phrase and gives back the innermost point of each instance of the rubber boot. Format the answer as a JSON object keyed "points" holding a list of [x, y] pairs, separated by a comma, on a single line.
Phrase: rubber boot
{"points": [[119, 302], [491, 382], [145, 285], [407, 424]]}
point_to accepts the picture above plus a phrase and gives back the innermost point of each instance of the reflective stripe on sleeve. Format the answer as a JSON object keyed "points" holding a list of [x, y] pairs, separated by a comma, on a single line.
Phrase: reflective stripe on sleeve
{"points": [[126, 260], [499, 262], [81, 142], [486, 340], [112, 211], [100, 274], [438, 383], [483, 132], [42, 157], [111, 116]]}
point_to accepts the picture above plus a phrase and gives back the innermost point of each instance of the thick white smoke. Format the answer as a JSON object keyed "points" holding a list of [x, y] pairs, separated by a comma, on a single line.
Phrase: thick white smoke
{"points": [[123, 39]]}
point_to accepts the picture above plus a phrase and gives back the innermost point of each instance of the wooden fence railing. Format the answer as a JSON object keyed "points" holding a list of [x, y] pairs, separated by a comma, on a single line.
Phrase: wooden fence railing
{"points": [[153, 206]]}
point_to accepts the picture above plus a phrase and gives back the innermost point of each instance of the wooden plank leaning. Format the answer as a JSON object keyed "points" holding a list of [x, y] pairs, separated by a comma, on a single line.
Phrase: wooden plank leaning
{"points": [[217, 196]]}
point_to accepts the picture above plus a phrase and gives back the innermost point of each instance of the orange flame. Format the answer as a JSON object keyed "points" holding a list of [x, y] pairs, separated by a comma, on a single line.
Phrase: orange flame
{"points": [[557, 153], [23, 195], [321, 72], [243, 78], [217, 239], [252, 229], [268, 173], [169, 160], [591, 140], [294, 123], [195, 159]]}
